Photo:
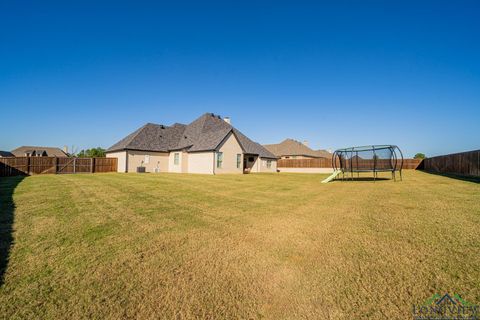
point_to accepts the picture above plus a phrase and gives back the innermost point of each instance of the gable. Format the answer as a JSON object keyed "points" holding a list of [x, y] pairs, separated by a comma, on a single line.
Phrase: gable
{"points": [[230, 142]]}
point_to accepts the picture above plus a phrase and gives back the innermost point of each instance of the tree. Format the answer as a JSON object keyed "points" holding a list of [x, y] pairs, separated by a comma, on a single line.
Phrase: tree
{"points": [[92, 153], [419, 156]]}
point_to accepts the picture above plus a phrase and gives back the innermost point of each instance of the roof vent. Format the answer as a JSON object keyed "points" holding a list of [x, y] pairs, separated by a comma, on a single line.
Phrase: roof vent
{"points": [[219, 117], [212, 114], [162, 126]]}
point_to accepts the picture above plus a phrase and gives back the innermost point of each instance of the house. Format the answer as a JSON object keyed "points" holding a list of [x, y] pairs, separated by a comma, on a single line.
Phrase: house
{"points": [[35, 151], [4, 154], [293, 149], [209, 145]]}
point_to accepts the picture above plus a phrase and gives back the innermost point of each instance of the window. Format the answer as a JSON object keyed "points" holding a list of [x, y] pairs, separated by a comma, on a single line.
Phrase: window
{"points": [[251, 159], [239, 160], [147, 159], [269, 164], [176, 158], [219, 159]]}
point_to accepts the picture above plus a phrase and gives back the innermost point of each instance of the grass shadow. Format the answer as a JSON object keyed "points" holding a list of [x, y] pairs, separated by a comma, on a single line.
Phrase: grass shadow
{"points": [[362, 179], [455, 176], [7, 211]]}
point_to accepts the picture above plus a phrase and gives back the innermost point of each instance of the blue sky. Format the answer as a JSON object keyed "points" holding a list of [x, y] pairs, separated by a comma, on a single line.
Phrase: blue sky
{"points": [[337, 74]]}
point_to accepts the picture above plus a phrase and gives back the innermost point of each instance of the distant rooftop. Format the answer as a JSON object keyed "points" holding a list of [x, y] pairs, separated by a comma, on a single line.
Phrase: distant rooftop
{"points": [[38, 151], [6, 154], [291, 147]]}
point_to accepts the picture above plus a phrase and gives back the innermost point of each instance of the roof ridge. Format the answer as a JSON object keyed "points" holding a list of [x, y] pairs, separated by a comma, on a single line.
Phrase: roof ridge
{"points": [[136, 133], [251, 146], [230, 130], [36, 147], [128, 139], [299, 142], [157, 124]]}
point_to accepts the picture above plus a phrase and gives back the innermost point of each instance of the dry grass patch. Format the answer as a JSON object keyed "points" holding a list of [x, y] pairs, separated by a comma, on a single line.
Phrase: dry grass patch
{"points": [[275, 246]]}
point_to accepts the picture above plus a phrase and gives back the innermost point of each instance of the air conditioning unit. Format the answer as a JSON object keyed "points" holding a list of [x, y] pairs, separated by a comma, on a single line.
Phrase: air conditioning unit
{"points": [[156, 170]]}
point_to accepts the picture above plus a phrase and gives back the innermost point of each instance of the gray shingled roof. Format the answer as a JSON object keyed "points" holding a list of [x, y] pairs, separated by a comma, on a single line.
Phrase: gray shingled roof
{"points": [[151, 137], [6, 154], [291, 147], [204, 134], [50, 151], [252, 147], [323, 153]]}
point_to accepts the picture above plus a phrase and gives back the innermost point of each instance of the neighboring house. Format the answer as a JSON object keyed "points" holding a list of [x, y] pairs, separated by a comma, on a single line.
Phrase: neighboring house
{"points": [[293, 149], [35, 151], [208, 145], [4, 154], [323, 154]]}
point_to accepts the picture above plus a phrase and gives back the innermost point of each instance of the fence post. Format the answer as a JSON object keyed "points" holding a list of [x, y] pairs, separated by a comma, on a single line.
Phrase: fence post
{"points": [[92, 165], [28, 166], [55, 163], [478, 163], [74, 164]]}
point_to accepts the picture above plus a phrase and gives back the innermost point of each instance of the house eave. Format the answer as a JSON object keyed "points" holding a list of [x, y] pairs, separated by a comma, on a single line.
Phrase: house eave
{"points": [[135, 149]]}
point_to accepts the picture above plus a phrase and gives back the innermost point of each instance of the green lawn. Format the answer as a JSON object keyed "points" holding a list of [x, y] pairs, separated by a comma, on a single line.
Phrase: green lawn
{"points": [[275, 246]]}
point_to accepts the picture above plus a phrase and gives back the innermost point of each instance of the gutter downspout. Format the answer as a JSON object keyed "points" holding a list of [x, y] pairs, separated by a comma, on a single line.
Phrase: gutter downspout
{"points": [[214, 152], [126, 161]]}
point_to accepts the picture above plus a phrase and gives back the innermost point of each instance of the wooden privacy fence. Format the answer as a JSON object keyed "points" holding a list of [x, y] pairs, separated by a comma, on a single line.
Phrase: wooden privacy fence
{"points": [[412, 163], [464, 163], [305, 163], [327, 163], [43, 165]]}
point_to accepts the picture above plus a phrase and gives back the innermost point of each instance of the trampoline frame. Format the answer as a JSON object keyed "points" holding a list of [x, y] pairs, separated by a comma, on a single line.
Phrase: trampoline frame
{"points": [[339, 162]]}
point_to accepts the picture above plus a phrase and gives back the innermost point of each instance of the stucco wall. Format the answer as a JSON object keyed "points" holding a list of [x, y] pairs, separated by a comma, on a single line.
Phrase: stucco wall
{"points": [[262, 164], [252, 165], [172, 167], [230, 148], [200, 162], [155, 159], [122, 160], [184, 162]]}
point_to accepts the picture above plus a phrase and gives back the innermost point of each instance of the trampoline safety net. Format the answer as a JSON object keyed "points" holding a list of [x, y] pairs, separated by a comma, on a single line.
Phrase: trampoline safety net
{"points": [[375, 158]]}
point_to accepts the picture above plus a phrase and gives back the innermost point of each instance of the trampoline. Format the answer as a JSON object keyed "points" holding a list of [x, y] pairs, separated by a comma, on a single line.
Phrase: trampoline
{"points": [[376, 158]]}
